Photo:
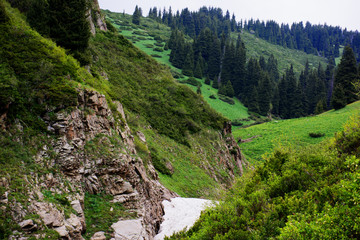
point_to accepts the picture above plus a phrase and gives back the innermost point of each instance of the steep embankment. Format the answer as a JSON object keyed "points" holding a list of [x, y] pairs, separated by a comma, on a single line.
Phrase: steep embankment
{"points": [[74, 161], [310, 193]]}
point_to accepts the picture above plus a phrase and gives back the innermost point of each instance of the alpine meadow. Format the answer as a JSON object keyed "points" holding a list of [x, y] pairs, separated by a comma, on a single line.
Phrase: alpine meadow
{"points": [[176, 123]]}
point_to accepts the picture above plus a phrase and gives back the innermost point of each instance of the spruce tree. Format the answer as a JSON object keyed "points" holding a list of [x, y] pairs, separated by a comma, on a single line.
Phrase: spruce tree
{"points": [[229, 91], [222, 89], [283, 99], [214, 59], [253, 105], [264, 95], [320, 107], [188, 66], [346, 76], [136, 16], [275, 101], [198, 71], [215, 83], [338, 99], [38, 16], [207, 80], [239, 71], [70, 27]]}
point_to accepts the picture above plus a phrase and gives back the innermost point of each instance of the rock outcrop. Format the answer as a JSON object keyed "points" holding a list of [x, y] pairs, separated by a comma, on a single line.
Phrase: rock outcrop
{"points": [[117, 171], [96, 19], [233, 148]]}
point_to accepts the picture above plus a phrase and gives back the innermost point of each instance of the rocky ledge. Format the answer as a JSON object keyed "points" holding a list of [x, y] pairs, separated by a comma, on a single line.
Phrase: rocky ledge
{"points": [[119, 172]]}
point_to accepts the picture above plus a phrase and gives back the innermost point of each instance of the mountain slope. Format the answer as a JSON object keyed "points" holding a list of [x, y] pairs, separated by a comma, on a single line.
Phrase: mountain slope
{"points": [[74, 160], [295, 132], [256, 47]]}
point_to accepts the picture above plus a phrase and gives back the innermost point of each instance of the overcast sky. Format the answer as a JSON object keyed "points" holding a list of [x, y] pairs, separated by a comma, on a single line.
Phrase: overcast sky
{"points": [[343, 13]]}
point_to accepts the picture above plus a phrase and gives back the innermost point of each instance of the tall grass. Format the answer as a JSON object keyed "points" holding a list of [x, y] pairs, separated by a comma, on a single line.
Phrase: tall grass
{"points": [[292, 131]]}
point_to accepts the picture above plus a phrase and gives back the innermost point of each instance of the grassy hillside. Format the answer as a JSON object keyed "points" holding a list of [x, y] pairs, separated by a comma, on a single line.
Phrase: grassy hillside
{"points": [[143, 37], [293, 132], [311, 193], [151, 36], [257, 47]]}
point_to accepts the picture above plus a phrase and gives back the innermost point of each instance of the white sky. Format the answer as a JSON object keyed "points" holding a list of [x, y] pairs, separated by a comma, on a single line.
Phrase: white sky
{"points": [[343, 13]]}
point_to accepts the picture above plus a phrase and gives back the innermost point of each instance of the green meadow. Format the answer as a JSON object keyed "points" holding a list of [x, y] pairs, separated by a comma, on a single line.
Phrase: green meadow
{"points": [[292, 132]]}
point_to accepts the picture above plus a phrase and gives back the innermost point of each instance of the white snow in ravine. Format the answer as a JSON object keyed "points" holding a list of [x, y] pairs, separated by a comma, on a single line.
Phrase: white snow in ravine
{"points": [[181, 213]]}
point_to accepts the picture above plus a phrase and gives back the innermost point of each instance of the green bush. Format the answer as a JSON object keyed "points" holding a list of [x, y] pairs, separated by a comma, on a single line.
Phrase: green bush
{"points": [[237, 122], [148, 45], [158, 49], [316, 134], [159, 163], [192, 81], [309, 193], [141, 33], [348, 141], [212, 96], [159, 44], [156, 55], [110, 27], [226, 99]]}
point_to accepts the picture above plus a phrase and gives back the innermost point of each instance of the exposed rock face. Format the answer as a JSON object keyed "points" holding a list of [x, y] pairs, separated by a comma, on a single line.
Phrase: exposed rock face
{"points": [[120, 173], [233, 148], [95, 18]]}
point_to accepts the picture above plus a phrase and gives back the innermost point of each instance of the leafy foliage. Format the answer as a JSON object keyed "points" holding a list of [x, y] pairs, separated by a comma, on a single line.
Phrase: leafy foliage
{"points": [[346, 76], [305, 194]]}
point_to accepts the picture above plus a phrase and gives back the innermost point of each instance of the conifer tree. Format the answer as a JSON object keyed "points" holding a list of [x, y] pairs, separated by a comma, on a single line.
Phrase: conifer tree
{"points": [[320, 107], [222, 89], [136, 15], [275, 101], [253, 105], [198, 71], [214, 59], [294, 98], [70, 27], [283, 100], [239, 71], [38, 16], [215, 83], [207, 80], [188, 66], [338, 99], [346, 76], [229, 90], [264, 95]]}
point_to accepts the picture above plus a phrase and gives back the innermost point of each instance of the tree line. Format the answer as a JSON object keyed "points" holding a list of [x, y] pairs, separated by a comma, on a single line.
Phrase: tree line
{"points": [[320, 40], [222, 61]]}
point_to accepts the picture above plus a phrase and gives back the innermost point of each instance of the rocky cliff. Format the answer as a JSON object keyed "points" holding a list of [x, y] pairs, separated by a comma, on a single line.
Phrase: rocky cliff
{"points": [[95, 18], [95, 154]]}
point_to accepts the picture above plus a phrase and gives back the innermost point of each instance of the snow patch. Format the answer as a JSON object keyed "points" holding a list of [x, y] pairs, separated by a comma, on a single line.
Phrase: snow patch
{"points": [[181, 213]]}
